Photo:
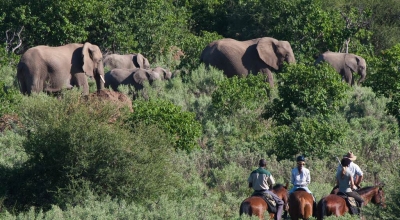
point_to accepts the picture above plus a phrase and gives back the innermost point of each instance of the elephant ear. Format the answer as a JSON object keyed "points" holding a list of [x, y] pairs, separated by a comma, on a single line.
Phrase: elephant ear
{"points": [[352, 61], [140, 61], [163, 72], [88, 51], [266, 47], [140, 76]]}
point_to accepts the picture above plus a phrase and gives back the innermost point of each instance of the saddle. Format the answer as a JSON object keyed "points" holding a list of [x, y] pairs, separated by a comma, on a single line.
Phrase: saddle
{"points": [[352, 204], [268, 199]]}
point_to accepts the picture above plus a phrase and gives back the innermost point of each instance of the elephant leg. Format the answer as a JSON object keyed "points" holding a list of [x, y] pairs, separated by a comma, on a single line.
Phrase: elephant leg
{"points": [[270, 77], [82, 83], [348, 76]]}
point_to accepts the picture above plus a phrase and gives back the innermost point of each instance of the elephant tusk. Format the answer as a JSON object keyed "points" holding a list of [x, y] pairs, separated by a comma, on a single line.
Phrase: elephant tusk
{"points": [[102, 79]]}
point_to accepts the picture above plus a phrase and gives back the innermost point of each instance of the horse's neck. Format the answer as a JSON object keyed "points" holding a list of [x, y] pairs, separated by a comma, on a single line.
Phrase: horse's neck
{"points": [[368, 195]]}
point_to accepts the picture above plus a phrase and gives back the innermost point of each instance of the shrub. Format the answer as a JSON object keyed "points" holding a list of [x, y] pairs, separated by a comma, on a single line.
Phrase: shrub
{"points": [[182, 127], [307, 91], [235, 93], [72, 149]]}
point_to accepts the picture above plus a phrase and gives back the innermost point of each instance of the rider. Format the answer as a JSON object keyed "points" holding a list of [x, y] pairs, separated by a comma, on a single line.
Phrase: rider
{"points": [[300, 178], [354, 169], [261, 180], [344, 179]]}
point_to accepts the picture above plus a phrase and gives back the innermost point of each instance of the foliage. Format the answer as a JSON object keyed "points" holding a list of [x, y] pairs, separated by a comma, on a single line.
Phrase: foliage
{"points": [[385, 78], [75, 164], [298, 98], [193, 46], [71, 149], [315, 137], [9, 99], [235, 93], [182, 128]]}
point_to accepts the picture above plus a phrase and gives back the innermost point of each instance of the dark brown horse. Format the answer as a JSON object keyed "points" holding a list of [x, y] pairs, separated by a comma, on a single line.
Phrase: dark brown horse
{"points": [[255, 205], [301, 205], [336, 205]]}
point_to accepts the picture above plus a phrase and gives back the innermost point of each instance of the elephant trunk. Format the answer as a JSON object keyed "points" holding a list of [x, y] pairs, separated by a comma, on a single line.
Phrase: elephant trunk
{"points": [[99, 77], [291, 59], [363, 75]]}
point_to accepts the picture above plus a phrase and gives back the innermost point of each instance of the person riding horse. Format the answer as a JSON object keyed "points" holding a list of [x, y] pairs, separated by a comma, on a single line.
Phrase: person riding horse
{"points": [[301, 178], [354, 169], [261, 180], [344, 179]]}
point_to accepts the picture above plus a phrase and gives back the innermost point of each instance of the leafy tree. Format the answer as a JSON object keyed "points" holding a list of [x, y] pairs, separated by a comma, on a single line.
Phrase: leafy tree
{"points": [[182, 127], [298, 98], [303, 23], [235, 93], [384, 78], [314, 137]]}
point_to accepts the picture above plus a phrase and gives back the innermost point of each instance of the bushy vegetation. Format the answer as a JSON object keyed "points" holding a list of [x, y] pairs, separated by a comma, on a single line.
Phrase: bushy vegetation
{"points": [[186, 150]]}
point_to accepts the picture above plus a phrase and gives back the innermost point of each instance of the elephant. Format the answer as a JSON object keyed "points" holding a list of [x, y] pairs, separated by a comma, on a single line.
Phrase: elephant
{"points": [[345, 64], [135, 77], [126, 61], [240, 58], [51, 69]]}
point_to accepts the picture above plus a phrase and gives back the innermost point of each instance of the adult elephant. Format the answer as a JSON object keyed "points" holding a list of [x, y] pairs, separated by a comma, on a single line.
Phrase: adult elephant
{"points": [[126, 61], [240, 58], [135, 77], [50, 69], [345, 64]]}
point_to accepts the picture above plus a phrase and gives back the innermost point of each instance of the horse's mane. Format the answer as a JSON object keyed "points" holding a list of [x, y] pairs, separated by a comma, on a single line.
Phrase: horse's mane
{"points": [[365, 189], [278, 186]]}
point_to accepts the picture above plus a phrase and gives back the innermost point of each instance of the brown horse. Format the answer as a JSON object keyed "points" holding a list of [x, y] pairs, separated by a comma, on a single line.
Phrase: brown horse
{"points": [[301, 205], [336, 205], [255, 205]]}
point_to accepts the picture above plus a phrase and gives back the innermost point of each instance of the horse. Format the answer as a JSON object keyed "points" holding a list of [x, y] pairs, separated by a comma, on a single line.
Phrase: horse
{"points": [[336, 205], [255, 205], [301, 205]]}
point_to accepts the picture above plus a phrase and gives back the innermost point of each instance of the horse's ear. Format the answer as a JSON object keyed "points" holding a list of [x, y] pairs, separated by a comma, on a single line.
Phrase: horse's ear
{"points": [[376, 178]]}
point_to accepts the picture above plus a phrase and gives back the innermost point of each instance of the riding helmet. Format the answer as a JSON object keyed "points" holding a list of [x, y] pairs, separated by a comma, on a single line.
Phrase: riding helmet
{"points": [[300, 158]]}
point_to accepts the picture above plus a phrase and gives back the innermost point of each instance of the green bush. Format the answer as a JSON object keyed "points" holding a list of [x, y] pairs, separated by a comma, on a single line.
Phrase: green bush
{"points": [[9, 99], [72, 148], [306, 91], [181, 126], [313, 137], [236, 93]]}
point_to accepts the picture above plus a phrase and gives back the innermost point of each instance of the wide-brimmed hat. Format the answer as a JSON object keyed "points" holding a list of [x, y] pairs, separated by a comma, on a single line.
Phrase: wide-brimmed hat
{"points": [[350, 155]]}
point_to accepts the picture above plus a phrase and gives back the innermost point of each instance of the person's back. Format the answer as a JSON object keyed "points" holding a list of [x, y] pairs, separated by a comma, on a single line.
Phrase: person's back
{"points": [[345, 181], [261, 180]]}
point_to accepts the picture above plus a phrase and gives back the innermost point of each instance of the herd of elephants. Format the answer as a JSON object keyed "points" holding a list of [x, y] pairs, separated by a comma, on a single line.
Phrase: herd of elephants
{"points": [[51, 69]]}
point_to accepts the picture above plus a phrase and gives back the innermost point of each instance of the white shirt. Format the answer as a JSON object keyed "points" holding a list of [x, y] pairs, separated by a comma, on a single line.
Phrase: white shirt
{"points": [[353, 168], [300, 179]]}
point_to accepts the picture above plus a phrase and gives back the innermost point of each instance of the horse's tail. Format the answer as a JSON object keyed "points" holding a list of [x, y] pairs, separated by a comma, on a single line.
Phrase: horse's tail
{"points": [[321, 209], [245, 208]]}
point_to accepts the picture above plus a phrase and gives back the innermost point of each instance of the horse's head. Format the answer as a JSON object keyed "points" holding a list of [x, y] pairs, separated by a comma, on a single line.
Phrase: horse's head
{"points": [[282, 192], [379, 197]]}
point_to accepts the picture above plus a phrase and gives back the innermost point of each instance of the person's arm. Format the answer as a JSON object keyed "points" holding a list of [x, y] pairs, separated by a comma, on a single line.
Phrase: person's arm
{"points": [[359, 175], [353, 187], [271, 181], [308, 178], [358, 181], [337, 180], [292, 177], [250, 180]]}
